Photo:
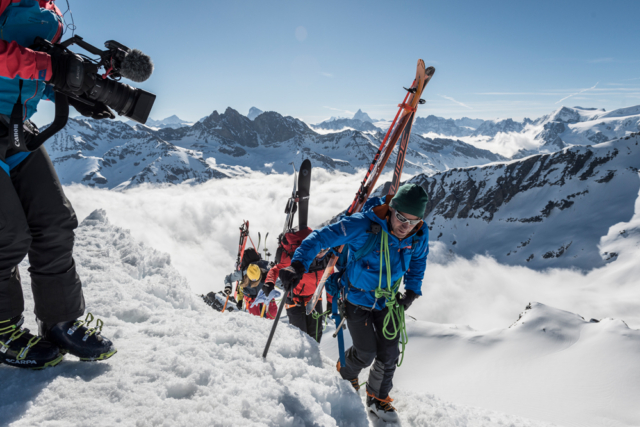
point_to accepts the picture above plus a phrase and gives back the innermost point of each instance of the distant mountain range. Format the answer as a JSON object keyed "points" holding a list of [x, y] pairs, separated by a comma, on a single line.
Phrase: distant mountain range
{"points": [[113, 154], [517, 139]]}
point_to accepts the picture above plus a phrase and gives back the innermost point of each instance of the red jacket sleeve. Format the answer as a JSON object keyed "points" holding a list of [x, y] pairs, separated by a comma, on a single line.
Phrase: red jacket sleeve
{"points": [[16, 60], [272, 276]]}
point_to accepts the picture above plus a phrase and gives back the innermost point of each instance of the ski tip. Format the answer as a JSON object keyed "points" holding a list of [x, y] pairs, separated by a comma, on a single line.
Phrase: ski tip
{"points": [[429, 71]]}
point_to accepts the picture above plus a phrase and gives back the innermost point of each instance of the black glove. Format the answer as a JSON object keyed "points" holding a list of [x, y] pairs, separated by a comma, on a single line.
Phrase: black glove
{"points": [[407, 299], [267, 288], [291, 275], [68, 70], [98, 111], [227, 289]]}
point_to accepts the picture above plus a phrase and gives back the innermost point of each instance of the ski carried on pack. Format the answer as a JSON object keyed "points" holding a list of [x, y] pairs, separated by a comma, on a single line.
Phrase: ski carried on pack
{"points": [[400, 129], [300, 196], [304, 187], [292, 206], [244, 234]]}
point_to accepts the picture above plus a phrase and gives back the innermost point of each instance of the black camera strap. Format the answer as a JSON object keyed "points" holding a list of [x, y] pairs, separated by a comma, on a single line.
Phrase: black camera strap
{"points": [[16, 126]]}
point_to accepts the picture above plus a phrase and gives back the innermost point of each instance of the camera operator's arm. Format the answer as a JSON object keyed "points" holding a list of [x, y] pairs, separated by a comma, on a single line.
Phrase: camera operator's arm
{"points": [[18, 61]]}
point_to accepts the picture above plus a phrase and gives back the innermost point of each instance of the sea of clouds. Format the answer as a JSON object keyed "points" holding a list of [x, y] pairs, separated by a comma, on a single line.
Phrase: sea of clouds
{"points": [[198, 227]]}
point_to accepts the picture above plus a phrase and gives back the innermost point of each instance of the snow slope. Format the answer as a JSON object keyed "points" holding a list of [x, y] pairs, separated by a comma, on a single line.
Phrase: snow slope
{"points": [[180, 363], [542, 211], [550, 365]]}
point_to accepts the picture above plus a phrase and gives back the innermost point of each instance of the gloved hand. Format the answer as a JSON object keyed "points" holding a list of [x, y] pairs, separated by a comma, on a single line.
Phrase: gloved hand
{"points": [[332, 284], [267, 288], [98, 111], [291, 275], [67, 70], [227, 289], [407, 299]]}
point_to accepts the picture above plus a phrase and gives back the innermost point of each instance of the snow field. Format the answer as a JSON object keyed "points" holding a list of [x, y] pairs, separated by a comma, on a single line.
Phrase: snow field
{"points": [[179, 362]]}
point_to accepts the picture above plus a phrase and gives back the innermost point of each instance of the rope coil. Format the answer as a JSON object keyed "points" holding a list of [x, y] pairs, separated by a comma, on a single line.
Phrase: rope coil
{"points": [[395, 314]]}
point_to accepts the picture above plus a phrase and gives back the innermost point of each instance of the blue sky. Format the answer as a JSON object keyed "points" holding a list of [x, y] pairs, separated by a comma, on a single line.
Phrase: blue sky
{"points": [[315, 59]]}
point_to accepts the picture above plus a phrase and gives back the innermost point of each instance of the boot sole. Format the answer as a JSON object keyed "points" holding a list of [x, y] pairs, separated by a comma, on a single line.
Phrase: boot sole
{"points": [[103, 356], [51, 364]]}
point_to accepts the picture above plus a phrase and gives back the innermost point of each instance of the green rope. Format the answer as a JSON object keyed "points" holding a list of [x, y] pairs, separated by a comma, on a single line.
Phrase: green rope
{"points": [[315, 315], [395, 314]]}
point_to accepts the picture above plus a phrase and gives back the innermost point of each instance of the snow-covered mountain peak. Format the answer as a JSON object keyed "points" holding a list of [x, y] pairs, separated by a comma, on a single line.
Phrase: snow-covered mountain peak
{"points": [[541, 317], [362, 116], [170, 122], [254, 112], [571, 115]]}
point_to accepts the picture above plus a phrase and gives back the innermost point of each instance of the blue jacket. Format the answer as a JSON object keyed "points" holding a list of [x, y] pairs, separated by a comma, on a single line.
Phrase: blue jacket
{"points": [[21, 22], [408, 256]]}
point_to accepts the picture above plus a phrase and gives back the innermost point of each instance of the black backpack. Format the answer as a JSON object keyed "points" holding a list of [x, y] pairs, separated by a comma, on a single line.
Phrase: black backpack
{"points": [[251, 256]]}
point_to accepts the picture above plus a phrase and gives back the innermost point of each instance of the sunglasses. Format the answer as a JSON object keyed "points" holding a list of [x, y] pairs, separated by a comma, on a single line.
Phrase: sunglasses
{"points": [[404, 220]]}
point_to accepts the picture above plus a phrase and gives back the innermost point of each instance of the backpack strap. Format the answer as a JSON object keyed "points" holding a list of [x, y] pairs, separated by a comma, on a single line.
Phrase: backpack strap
{"points": [[369, 245]]}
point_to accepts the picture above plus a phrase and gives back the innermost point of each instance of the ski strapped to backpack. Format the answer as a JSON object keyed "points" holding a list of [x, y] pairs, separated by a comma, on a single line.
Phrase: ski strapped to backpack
{"points": [[299, 196], [406, 113], [244, 233]]}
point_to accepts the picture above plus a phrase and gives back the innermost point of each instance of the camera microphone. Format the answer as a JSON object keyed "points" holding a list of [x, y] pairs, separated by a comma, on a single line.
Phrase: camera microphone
{"points": [[136, 66]]}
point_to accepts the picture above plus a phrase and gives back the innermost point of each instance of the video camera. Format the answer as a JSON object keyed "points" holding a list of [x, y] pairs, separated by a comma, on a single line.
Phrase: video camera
{"points": [[118, 61]]}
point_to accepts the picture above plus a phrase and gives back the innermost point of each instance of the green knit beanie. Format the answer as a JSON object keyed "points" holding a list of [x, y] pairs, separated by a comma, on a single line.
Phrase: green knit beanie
{"points": [[411, 199]]}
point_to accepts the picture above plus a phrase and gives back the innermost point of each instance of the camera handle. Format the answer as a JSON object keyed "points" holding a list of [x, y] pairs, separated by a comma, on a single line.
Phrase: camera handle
{"points": [[60, 121], [83, 44]]}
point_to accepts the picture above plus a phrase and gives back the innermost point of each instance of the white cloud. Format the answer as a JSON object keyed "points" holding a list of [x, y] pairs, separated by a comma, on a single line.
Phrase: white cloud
{"points": [[457, 102], [198, 227], [340, 110], [578, 93]]}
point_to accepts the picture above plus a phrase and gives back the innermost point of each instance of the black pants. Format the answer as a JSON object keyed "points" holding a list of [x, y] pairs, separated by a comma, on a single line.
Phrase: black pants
{"points": [[36, 219], [368, 345], [298, 318]]}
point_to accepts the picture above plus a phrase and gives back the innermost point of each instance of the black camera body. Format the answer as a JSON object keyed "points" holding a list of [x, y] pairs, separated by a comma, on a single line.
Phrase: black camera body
{"points": [[87, 84]]}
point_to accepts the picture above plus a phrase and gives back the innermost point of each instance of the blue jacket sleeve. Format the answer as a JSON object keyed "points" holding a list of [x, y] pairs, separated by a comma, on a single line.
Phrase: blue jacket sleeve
{"points": [[230, 278], [417, 266], [342, 232], [49, 94]]}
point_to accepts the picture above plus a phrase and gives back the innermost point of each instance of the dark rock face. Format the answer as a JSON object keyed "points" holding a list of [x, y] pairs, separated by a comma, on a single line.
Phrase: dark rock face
{"points": [[550, 136], [546, 210], [490, 128], [456, 193]]}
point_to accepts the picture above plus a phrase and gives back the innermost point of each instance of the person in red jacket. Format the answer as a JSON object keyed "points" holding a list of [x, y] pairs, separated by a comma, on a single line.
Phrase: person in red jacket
{"points": [[302, 293]]}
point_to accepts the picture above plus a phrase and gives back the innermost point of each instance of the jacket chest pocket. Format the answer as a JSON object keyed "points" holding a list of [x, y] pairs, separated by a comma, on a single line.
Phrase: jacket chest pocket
{"points": [[405, 257], [24, 22]]}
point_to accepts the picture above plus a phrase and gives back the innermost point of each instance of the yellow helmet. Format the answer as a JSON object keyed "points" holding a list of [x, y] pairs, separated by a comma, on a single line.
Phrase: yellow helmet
{"points": [[253, 272]]}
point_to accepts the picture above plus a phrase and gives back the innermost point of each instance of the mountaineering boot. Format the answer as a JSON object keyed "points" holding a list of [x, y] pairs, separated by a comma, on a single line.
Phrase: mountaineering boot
{"points": [[354, 382], [76, 338], [22, 349], [382, 408]]}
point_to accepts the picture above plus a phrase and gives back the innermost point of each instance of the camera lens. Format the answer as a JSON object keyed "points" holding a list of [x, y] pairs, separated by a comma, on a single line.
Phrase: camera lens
{"points": [[125, 100]]}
